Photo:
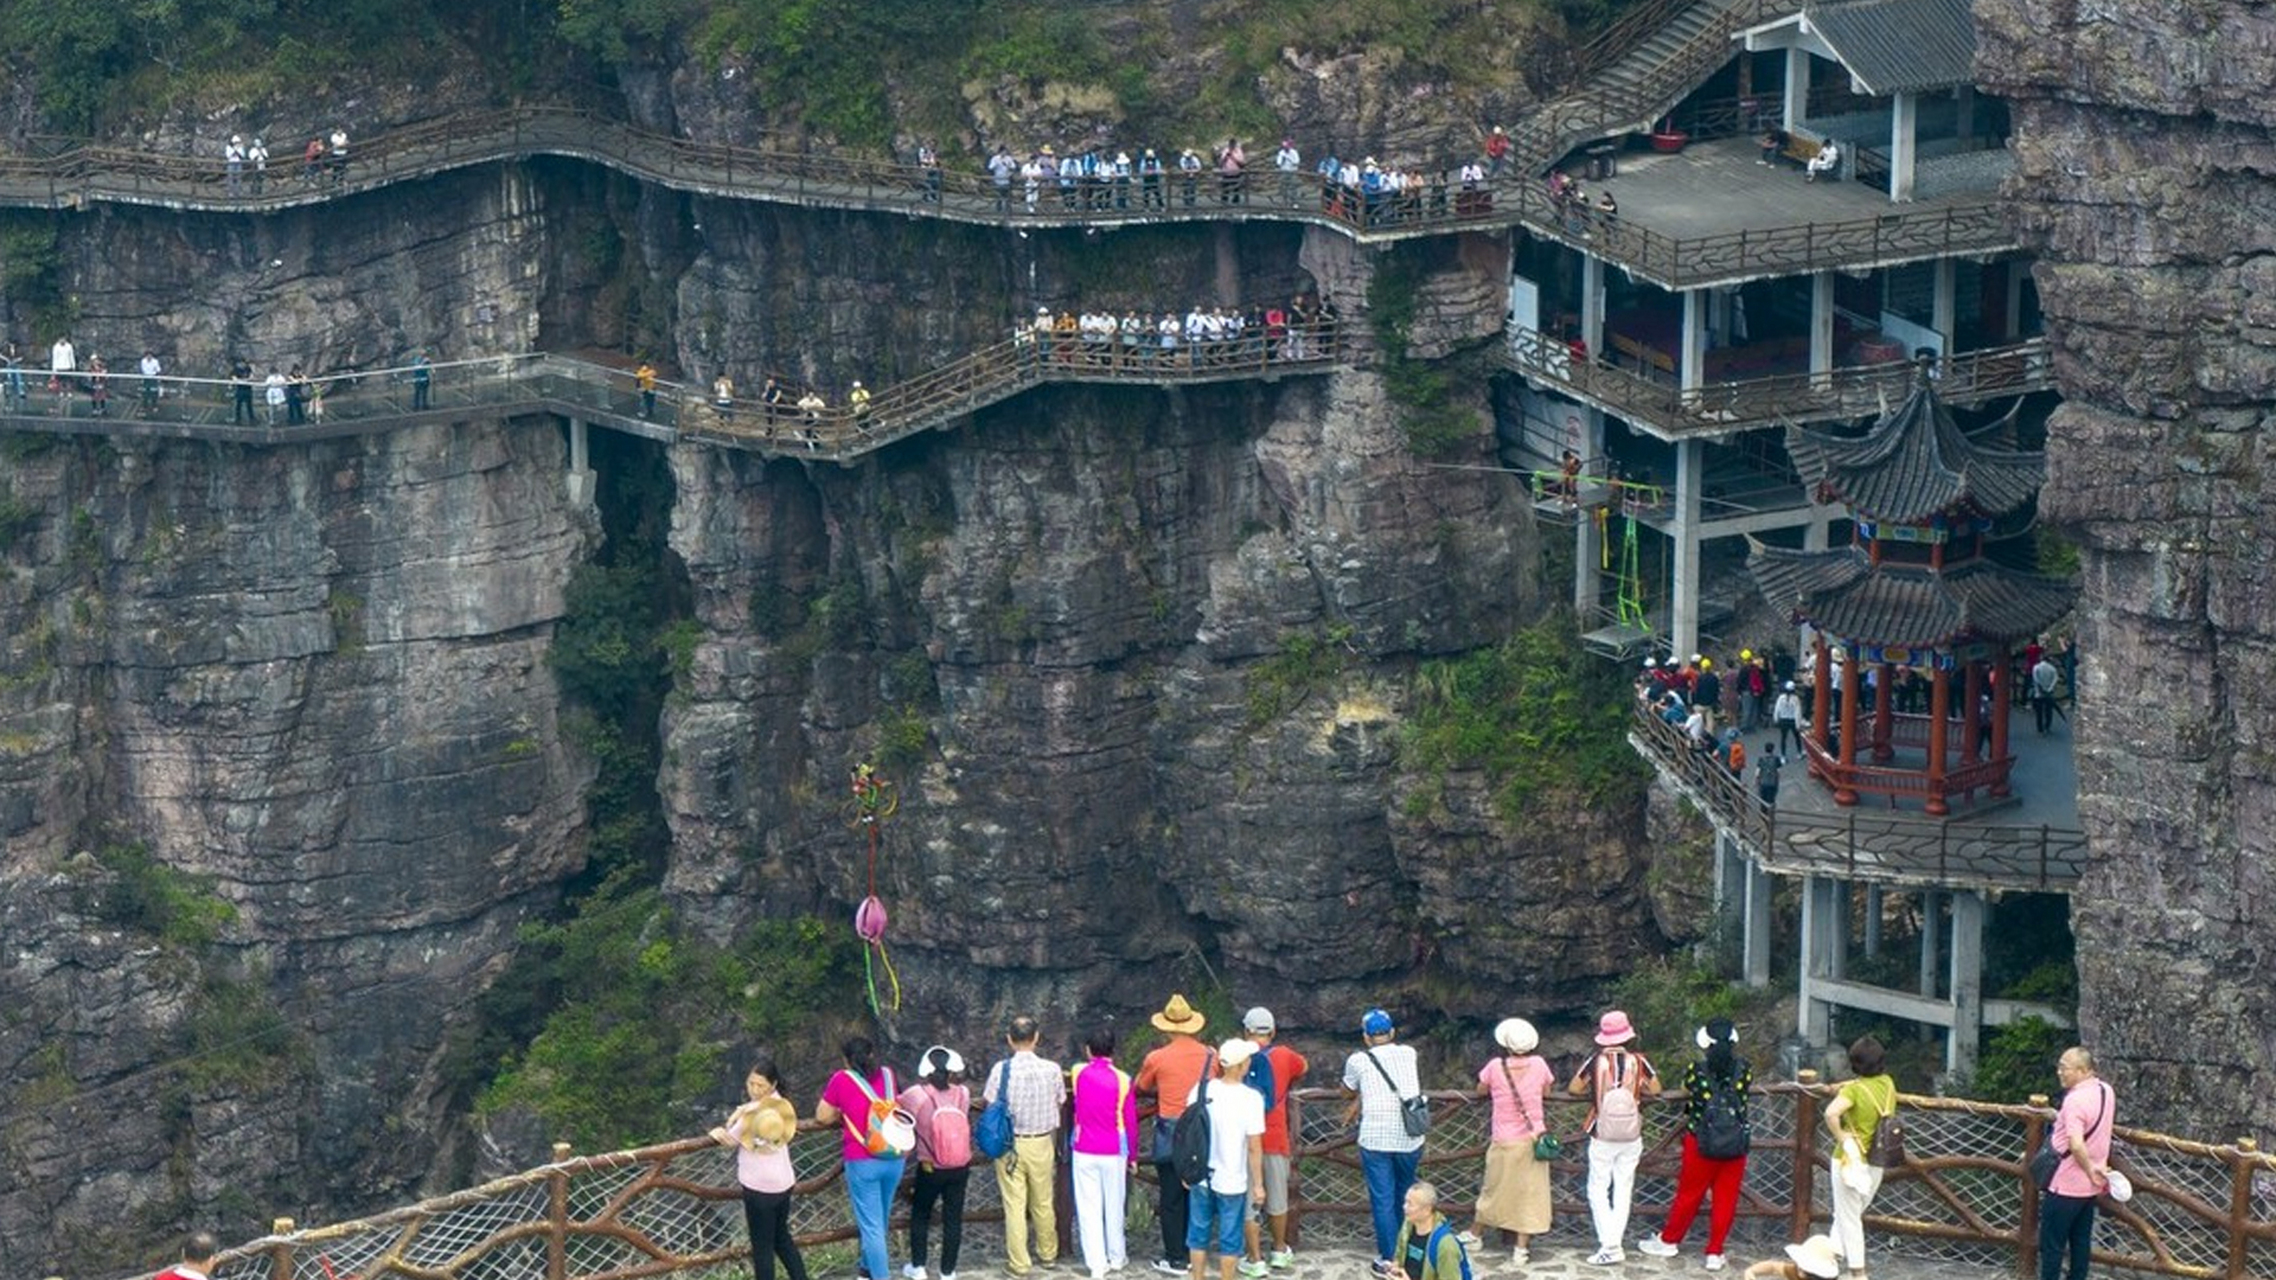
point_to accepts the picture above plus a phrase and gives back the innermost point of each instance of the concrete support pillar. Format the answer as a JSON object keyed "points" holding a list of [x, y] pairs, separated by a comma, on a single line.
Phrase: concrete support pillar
{"points": [[1796, 104], [1904, 129], [1964, 108], [1592, 305], [1814, 1019], [1683, 531], [1872, 921], [1843, 896], [1931, 933], [581, 487], [1944, 303], [1754, 943], [1691, 370], [1821, 323], [1815, 534], [1968, 914]]}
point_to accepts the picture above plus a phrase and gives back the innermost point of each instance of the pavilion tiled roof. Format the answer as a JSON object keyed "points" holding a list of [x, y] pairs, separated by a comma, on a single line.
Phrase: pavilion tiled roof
{"points": [[1841, 592], [1915, 463], [1894, 46]]}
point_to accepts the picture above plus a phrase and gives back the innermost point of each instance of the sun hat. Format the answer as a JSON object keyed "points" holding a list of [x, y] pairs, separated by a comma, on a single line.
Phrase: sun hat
{"points": [[1178, 1017], [1516, 1035], [772, 1127], [1816, 1256], [1716, 1031], [2121, 1187], [1613, 1028], [948, 1059], [1375, 1023], [1257, 1019], [1236, 1051]]}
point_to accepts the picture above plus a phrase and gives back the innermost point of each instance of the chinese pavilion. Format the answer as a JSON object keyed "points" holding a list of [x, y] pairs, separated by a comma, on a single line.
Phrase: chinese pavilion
{"points": [[1916, 588]]}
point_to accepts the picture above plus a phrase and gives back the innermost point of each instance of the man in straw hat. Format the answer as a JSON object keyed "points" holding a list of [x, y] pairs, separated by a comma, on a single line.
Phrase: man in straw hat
{"points": [[1168, 1074]]}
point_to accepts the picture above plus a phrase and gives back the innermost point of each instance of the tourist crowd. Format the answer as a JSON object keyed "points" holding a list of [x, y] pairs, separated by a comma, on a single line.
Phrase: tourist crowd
{"points": [[1200, 338]]}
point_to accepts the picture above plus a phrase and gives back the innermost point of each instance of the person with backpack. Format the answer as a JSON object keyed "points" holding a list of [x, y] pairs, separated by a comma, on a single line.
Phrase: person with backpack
{"points": [[1616, 1079], [1383, 1079], [1224, 1177], [1273, 1073], [1033, 1089], [761, 1131], [1854, 1119], [941, 1104], [858, 1101], [1515, 1195], [1167, 1075], [1104, 1147], [1716, 1136], [1427, 1247]]}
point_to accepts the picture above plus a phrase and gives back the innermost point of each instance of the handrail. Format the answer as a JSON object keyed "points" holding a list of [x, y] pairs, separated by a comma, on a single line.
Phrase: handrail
{"points": [[1863, 846], [669, 1208], [359, 401], [1745, 404]]}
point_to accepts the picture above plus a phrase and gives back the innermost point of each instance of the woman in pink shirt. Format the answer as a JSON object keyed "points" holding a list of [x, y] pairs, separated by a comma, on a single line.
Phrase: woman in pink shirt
{"points": [[760, 1131], [1515, 1196], [1105, 1143], [871, 1176]]}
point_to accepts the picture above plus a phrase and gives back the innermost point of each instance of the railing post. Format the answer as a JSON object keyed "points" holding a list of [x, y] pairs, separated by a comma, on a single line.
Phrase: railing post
{"points": [[1805, 1155], [1295, 1170], [2241, 1164], [280, 1255], [557, 1207], [2027, 1222]]}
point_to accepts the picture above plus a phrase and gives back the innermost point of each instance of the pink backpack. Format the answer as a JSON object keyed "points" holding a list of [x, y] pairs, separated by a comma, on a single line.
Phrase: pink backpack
{"points": [[948, 1127], [1618, 1117]]}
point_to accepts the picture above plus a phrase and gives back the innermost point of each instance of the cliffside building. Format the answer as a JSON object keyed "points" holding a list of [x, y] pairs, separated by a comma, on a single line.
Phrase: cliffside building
{"points": [[1731, 292]]}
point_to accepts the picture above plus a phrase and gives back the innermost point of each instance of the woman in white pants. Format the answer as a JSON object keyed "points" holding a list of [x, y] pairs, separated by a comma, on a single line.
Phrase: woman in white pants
{"points": [[1616, 1080], [1853, 1118], [1105, 1151]]}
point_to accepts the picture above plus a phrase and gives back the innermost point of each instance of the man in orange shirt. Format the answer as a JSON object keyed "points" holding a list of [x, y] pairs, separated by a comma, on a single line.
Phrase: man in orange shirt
{"points": [[1167, 1076], [1288, 1068]]}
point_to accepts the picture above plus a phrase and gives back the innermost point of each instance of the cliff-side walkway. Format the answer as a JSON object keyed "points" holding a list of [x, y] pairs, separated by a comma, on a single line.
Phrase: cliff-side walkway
{"points": [[581, 390]]}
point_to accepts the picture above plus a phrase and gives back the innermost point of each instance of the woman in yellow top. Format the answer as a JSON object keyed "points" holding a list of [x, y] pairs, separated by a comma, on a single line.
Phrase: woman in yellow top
{"points": [[1853, 1117]]}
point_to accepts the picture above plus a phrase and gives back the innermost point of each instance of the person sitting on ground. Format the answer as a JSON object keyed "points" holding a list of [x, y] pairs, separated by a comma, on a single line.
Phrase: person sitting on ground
{"points": [[1827, 161], [1772, 142]]}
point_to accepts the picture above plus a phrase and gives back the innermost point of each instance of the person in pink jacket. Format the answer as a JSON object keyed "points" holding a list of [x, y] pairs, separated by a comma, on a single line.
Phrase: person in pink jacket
{"points": [[1105, 1146]]}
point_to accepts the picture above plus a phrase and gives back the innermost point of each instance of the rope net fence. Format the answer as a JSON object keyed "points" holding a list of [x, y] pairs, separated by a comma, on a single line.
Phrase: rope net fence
{"points": [[2199, 1210]]}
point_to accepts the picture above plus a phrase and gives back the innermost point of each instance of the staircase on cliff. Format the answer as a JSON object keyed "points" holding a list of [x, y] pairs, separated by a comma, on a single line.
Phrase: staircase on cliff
{"points": [[1638, 70]]}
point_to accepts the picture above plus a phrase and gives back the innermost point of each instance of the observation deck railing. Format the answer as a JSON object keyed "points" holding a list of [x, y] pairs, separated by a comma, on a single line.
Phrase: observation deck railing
{"points": [[2200, 1210], [365, 402], [1952, 853], [1722, 408]]}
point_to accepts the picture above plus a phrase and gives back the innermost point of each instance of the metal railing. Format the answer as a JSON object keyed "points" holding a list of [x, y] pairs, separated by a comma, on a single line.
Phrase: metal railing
{"points": [[1744, 404], [361, 402], [2199, 1209], [1862, 846]]}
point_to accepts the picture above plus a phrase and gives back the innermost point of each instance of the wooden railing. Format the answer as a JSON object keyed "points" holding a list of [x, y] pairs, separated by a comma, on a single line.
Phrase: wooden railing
{"points": [[1720, 408], [2199, 1209], [384, 399], [1862, 846]]}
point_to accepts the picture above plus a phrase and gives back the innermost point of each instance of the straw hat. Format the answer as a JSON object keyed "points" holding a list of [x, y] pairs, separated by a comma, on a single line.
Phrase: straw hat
{"points": [[1816, 1256], [1179, 1018]]}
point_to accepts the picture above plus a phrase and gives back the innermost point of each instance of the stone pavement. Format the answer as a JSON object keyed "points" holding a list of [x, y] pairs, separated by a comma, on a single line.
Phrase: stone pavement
{"points": [[1554, 1261]]}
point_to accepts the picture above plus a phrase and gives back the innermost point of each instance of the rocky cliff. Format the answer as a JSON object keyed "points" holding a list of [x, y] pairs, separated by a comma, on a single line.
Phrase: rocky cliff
{"points": [[281, 763], [2142, 184]]}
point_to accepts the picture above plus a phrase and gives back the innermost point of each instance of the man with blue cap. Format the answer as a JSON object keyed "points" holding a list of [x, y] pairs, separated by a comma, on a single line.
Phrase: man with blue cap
{"points": [[1380, 1077]]}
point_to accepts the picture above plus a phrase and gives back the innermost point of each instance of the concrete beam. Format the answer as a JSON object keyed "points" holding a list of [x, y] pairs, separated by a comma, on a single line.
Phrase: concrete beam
{"points": [[1885, 1000]]}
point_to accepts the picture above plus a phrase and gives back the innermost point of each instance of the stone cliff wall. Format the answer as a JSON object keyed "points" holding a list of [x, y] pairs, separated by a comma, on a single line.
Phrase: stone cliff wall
{"points": [[2142, 183]]}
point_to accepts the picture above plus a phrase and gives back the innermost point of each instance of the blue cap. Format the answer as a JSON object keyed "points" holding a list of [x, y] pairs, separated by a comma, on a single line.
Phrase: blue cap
{"points": [[1376, 1023]]}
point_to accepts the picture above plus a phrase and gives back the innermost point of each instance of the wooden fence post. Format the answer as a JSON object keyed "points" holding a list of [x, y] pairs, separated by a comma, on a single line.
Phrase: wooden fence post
{"points": [[2241, 1164], [557, 1216], [280, 1257], [1805, 1155], [2027, 1223], [1295, 1172]]}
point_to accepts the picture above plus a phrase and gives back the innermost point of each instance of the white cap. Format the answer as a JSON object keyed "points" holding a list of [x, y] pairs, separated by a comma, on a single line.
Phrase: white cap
{"points": [[1233, 1053]]}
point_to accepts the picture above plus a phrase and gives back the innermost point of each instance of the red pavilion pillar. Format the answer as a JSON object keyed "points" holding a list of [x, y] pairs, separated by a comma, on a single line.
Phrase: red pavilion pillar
{"points": [[1884, 718], [2000, 675], [1851, 680], [1821, 697], [1939, 731]]}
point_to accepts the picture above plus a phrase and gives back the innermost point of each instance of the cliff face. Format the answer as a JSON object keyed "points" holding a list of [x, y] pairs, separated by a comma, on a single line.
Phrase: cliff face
{"points": [[2142, 184]]}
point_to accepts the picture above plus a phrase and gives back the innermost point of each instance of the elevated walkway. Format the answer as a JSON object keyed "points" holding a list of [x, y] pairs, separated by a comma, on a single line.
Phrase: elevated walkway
{"points": [[508, 386]]}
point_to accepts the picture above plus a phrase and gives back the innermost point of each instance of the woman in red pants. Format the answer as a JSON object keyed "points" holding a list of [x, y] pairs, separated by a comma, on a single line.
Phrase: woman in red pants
{"points": [[1715, 1140]]}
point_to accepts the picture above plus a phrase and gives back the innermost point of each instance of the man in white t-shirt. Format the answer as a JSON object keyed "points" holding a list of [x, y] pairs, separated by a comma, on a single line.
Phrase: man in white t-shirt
{"points": [[1217, 1211], [1380, 1076]]}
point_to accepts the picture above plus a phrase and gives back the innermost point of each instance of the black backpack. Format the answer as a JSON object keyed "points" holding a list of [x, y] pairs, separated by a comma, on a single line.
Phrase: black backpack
{"points": [[1723, 1132], [1189, 1142]]}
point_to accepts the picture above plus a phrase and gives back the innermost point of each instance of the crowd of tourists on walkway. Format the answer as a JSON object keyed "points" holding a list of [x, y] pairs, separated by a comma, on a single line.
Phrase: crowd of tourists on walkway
{"points": [[1222, 1150], [271, 395], [1202, 337]]}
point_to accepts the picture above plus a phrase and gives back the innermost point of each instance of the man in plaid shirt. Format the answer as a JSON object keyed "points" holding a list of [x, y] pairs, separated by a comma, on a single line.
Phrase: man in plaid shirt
{"points": [[1035, 1090]]}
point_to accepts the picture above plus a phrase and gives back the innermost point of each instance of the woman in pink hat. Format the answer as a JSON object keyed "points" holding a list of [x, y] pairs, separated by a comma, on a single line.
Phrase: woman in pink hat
{"points": [[1616, 1080]]}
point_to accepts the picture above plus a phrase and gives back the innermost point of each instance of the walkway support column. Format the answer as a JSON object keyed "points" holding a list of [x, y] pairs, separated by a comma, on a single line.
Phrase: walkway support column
{"points": [[1904, 127], [1796, 103], [1814, 1019], [1691, 369], [1588, 538], [1755, 942], [581, 487], [1683, 531], [1873, 906], [1821, 327], [1592, 305], [1967, 981], [1944, 304], [1931, 934]]}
